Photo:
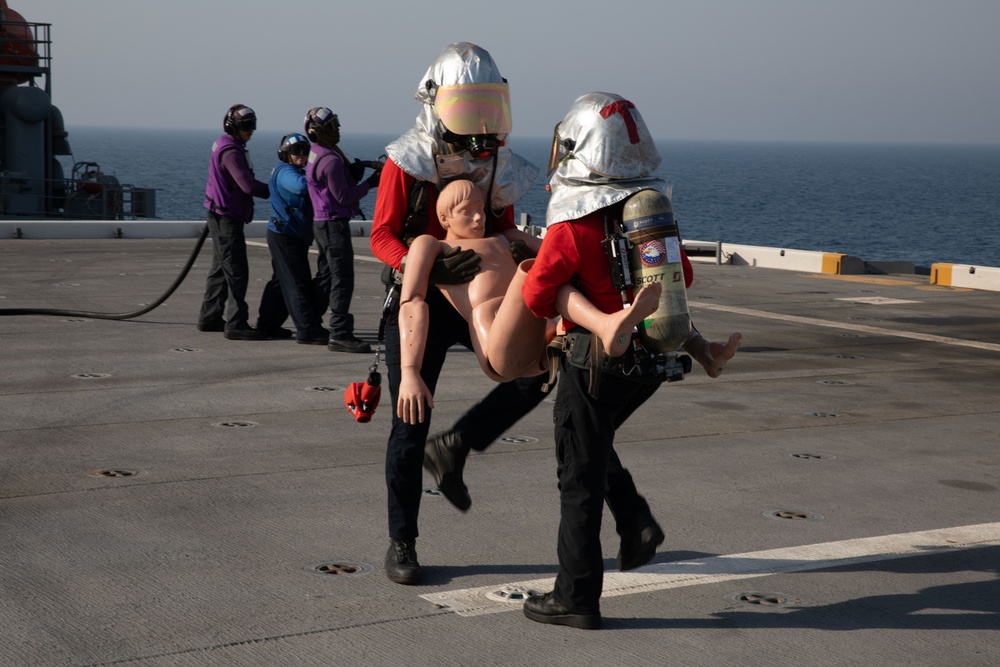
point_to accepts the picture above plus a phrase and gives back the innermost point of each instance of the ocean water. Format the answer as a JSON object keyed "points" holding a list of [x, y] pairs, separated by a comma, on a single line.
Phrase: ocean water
{"points": [[879, 202]]}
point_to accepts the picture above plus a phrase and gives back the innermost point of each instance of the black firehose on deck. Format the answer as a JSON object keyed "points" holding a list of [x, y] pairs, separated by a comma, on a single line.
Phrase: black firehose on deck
{"points": [[119, 316]]}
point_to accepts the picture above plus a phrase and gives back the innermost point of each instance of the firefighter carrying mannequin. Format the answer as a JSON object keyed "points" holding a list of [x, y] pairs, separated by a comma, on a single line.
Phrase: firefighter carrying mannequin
{"points": [[460, 133], [603, 155]]}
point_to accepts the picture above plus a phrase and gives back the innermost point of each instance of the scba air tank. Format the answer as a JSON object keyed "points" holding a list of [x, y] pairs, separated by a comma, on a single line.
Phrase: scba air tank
{"points": [[655, 256]]}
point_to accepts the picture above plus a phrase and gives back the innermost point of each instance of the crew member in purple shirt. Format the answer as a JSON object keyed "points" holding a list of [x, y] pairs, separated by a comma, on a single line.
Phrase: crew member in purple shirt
{"points": [[229, 197], [335, 188]]}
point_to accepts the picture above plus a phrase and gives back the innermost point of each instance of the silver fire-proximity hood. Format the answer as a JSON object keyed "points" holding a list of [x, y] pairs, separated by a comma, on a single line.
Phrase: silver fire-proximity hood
{"points": [[463, 92], [602, 153]]}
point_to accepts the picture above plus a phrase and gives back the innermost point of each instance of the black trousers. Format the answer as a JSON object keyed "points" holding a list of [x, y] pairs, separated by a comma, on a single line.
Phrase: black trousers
{"points": [[335, 275], [478, 428], [228, 276], [591, 473], [293, 276]]}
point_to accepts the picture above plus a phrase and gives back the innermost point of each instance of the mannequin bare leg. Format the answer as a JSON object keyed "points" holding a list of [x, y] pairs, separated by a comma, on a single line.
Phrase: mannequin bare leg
{"points": [[517, 338], [614, 329], [712, 355]]}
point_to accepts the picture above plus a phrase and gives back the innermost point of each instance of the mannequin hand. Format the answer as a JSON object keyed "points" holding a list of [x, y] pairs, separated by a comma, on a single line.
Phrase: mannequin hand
{"points": [[415, 400], [454, 267]]}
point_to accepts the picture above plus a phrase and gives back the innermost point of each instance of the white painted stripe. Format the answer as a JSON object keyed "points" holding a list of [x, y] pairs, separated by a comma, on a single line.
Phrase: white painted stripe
{"points": [[848, 326], [360, 258], [930, 338], [875, 300], [661, 576]]}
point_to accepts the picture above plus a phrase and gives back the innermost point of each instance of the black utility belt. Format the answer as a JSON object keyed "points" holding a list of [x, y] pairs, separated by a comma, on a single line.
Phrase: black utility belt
{"points": [[584, 350]]}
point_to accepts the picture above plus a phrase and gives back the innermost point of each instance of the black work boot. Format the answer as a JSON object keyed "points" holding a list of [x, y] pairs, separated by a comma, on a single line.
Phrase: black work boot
{"points": [[444, 458], [639, 547], [545, 609], [401, 564]]}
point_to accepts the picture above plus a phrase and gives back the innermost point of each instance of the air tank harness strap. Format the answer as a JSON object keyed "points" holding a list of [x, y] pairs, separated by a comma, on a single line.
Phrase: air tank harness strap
{"points": [[584, 350], [554, 352]]}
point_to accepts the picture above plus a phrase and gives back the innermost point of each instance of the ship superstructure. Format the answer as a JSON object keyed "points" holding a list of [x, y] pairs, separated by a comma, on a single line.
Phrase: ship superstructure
{"points": [[33, 182]]}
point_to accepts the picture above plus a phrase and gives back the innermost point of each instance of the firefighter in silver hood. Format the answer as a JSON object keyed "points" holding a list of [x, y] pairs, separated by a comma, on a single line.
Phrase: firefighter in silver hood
{"points": [[461, 132], [610, 230]]}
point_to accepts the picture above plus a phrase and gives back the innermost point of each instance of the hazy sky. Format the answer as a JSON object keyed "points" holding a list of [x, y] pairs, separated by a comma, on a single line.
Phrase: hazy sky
{"points": [[787, 70]]}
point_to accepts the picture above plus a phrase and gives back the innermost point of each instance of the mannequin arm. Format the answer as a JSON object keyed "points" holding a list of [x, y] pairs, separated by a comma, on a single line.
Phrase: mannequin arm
{"points": [[414, 316], [413, 392]]}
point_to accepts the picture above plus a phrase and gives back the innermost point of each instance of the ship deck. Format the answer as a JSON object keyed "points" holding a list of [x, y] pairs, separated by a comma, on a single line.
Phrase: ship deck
{"points": [[169, 497]]}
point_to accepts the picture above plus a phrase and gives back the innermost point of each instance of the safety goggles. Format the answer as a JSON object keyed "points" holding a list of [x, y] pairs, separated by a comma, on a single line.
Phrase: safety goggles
{"points": [[246, 125]]}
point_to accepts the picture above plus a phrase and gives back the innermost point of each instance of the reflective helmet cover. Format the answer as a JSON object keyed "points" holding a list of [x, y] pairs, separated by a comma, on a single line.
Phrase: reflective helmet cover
{"points": [[293, 144], [465, 88], [240, 118], [607, 136], [319, 120]]}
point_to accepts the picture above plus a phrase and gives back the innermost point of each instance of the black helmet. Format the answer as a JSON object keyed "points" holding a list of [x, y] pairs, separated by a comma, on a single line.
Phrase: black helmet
{"points": [[320, 120], [239, 118], [292, 144]]}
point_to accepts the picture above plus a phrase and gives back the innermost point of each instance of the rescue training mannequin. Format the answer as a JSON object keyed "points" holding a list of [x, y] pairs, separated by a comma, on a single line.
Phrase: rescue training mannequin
{"points": [[508, 339]]}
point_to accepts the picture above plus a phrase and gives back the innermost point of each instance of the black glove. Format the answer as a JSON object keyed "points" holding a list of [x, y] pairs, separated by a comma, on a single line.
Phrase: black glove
{"points": [[521, 251], [374, 178], [356, 170], [455, 266]]}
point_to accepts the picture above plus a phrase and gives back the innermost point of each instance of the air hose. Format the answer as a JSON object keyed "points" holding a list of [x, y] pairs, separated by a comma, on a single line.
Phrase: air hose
{"points": [[118, 316]]}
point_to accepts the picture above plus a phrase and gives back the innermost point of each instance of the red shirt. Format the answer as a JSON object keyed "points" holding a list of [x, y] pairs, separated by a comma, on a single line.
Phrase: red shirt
{"points": [[573, 248], [391, 207]]}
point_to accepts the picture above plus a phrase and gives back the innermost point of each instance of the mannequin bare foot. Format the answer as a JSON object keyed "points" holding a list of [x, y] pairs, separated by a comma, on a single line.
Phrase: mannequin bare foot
{"points": [[713, 355], [617, 332]]}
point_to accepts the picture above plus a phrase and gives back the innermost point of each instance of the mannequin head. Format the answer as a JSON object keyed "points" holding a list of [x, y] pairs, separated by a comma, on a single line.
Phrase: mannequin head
{"points": [[460, 209]]}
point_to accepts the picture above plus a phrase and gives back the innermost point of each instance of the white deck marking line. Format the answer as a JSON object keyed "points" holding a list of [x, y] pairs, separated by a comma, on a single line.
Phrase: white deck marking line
{"points": [[850, 327], [360, 258], [875, 300], [715, 569], [930, 338]]}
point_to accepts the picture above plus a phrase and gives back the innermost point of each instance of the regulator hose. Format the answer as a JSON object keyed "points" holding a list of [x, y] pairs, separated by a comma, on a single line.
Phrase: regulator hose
{"points": [[118, 316]]}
